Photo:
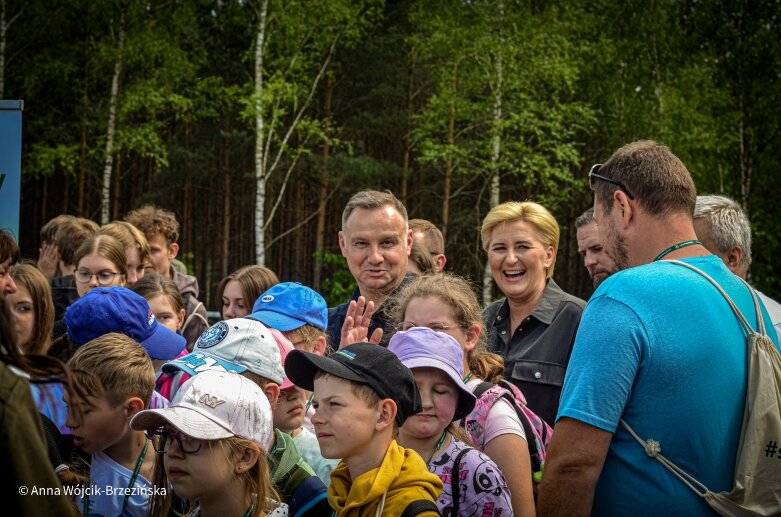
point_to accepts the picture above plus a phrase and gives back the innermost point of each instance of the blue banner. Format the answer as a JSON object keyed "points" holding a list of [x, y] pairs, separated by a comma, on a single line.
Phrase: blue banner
{"points": [[10, 164]]}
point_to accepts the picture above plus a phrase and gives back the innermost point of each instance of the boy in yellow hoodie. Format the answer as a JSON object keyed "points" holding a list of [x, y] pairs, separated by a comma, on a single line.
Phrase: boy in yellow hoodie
{"points": [[362, 395]]}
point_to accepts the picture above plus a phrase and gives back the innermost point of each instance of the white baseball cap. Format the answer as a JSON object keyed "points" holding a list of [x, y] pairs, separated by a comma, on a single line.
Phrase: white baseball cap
{"points": [[238, 345], [214, 405]]}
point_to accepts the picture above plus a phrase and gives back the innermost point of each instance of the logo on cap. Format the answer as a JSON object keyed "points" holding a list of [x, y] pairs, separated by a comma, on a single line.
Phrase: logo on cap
{"points": [[213, 335], [268, 298], [347, 354], [210, 401], [150, 318]]}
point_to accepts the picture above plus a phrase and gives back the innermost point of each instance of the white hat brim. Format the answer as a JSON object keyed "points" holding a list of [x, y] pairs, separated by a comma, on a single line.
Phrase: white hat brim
{"points": [[188, 420]]}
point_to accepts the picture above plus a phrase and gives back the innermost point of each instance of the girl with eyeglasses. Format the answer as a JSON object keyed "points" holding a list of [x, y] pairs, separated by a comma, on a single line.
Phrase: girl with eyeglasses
{"points": [[213, 443], [447, 303], [100, 262]]}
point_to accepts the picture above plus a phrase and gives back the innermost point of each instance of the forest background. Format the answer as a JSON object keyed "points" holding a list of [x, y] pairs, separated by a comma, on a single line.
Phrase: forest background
{"points": [[255, 120]]}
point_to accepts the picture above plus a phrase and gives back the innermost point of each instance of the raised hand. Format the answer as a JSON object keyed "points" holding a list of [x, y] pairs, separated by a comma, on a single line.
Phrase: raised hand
{"points": [[356, 324]]}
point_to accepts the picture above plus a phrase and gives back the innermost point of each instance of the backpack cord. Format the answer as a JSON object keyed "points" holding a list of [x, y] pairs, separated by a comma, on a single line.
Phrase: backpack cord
{"points": [[652, 448]]}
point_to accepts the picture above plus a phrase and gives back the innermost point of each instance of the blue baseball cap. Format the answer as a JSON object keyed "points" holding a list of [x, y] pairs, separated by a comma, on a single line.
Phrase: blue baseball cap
{"points": [[116, 309], [290, 305]]}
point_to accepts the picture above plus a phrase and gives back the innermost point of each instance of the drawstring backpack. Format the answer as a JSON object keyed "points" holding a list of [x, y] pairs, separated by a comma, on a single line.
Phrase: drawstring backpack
{"points": [[757, 485]]}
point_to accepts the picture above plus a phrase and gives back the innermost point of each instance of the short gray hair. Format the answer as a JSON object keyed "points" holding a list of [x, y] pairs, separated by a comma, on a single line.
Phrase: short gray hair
{"points": [[729, 225], [585, 218], [373, 200]]}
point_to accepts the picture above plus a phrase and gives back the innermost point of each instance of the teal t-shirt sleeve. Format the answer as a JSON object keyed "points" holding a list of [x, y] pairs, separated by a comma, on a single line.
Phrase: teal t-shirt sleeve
{"points": [[606, 357]]}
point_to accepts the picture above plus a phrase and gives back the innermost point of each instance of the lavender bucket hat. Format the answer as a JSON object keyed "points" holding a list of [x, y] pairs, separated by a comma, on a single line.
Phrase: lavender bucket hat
{"points": [[421, 347]]}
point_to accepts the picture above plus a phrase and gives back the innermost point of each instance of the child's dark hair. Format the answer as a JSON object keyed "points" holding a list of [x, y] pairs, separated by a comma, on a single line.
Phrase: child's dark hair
{"points": [[154, 284], [254, 281]]}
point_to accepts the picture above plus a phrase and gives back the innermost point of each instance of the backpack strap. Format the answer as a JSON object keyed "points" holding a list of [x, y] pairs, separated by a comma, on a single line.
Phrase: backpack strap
{"points": [[455, 480], [418, 507], [507, 395], [739, 315], [527, 427], [194, 315], [482, 388], [653, 448]]}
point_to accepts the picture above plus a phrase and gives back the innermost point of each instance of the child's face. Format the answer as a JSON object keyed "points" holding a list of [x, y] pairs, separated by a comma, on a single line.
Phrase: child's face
{"points": [[102, 425], [290, 410], [23, 311], [439, 397], [299, 342], [161, 253], [233, 303], [197, 475], [344, 423], [135, 268], [94, 264], [432, 312], [165, 313]]}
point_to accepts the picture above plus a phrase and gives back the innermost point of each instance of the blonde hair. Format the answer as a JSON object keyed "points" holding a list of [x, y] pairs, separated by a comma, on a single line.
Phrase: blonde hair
{"points": [[457, 294], [129, 236], [120, 365], [256, 480], [107, 247], [29, 277], [533, 213], [308, 336]]}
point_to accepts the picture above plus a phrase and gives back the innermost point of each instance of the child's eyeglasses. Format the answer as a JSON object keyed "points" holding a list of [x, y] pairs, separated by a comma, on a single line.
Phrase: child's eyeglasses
{"points": [[437, 326], [161, 441], [104, 277]]}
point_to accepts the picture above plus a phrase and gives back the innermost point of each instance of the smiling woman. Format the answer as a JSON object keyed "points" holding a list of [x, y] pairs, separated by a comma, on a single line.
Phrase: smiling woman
{"points": [[533, 327]]}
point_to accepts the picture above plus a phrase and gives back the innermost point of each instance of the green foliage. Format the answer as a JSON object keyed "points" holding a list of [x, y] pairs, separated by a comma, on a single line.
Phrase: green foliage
{"points": [[576, 80], [45, 160], [340, 284]]}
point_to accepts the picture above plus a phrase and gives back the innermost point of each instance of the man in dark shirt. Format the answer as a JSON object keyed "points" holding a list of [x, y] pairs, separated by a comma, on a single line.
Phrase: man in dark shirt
{"points": [[376, 241]]}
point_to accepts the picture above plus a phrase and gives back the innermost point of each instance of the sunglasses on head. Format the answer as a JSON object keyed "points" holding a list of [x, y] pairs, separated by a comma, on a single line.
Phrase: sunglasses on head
{"points": [[593, 175]]}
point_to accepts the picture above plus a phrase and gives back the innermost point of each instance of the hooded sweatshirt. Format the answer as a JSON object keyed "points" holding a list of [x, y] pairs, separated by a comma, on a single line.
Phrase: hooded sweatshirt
{"points": [[195, 319], [403, 475]]}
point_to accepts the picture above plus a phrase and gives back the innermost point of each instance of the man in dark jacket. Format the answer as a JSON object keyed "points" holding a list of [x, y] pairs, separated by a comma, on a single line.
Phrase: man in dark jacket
{"points": [[376, 241]]}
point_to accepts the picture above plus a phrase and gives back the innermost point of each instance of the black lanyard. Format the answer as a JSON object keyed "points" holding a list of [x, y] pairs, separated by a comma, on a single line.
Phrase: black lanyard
{"points": [[676, 247]]}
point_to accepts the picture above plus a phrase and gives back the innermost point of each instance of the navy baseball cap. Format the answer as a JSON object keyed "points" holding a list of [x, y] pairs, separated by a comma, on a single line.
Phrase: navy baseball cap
{"points": [[364, 363], [290, 305], [116, 309]]}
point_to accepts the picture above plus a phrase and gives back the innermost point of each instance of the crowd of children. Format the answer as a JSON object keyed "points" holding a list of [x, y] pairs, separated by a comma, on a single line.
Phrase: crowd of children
{"points": [[256, 414]]}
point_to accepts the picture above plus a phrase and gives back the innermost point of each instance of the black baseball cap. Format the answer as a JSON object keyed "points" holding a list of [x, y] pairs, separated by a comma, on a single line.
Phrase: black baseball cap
{"points": [[364, 363]]}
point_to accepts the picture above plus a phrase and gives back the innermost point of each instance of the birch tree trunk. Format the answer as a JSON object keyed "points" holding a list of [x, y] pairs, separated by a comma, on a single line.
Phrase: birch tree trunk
{"points": [[260, 169], [105, 192], [496, 153]]}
